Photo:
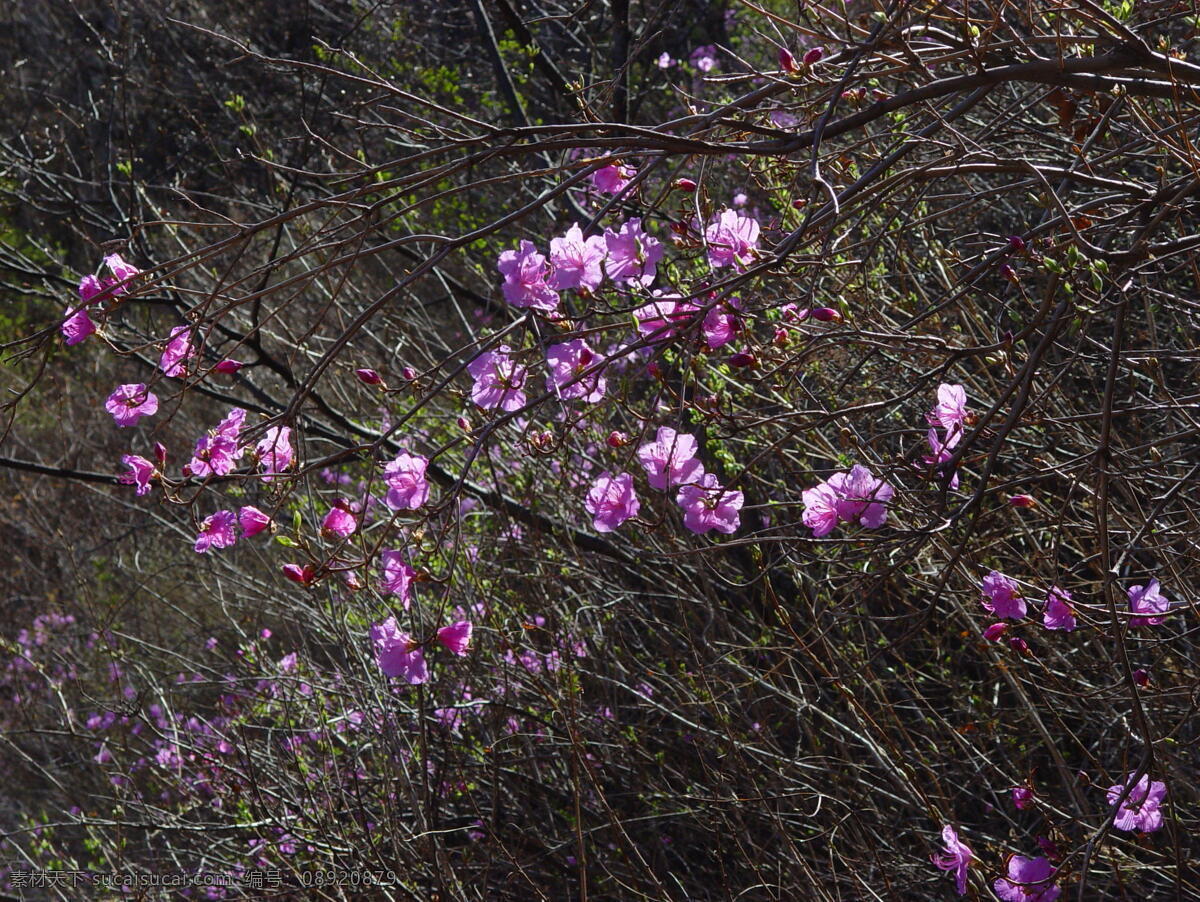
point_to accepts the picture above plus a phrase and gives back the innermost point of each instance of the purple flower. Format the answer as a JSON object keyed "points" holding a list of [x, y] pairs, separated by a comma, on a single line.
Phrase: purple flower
{"points": [[1022, 797], [397, 653], [670, 459], [578, 261], [1145, 602], [611, 501], [704, 57], [1140, 810], [613, 178], [397, 575], [1028, 881], [340, 522], [658, 318], [228, 366], [121, 270], [214, 455], [76, 327], [253, 521], [407, 487], [140, 472], [130, 402], [456, 637], [633, 255], [90, 289], [175, 355], [1058, 613], [708, 505], [1002, 597], [957, 858], [732, 239], [525, 273], [498, 380], [820, 509], [217, 531], [720, 325], [861, 496], [567, 361], [274, 451], [231, 426], [942, 452], [951, 410]]}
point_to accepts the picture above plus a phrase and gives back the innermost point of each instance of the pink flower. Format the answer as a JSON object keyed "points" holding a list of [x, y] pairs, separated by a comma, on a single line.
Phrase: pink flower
{"points": [[397, 575], [121, 270], [611, 501], [140, 472], [567, 361], [1140, 810], [708, 505], [525, 273], [613, 178], [951, 410], [1058, 613], [657, 319], [633, 255], [732, 239], [1022, 797], [1022, 501], [1028, 881], [177, 352], [942, 452], [1002, 597], [704, 58], [498, 380], [1146, 602], [861, 496], [231, 426], [274, 451], [407, 487], [670, 459], [214, 455], [217, 531], [820, 509], [456, 637], [339, 522], [720, 325], [90, 288], [578, 261], [76, 327], [253, 521], [228, 366], [957, 858], [397, 653], [130, 402]]}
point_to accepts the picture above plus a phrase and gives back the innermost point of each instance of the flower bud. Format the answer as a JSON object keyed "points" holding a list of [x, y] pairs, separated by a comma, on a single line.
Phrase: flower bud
{"points": [[683, 185], [995, 631], [160, 453], [1016, 242], [826, 315], [814, 56], [1022, 501], [787, 62], [409, 373], [780, 338], [369, 377], [1019, 645], [229, 367], [1142, 678], [617, 439], [298, 574], [743, 358], [1022, 797]]}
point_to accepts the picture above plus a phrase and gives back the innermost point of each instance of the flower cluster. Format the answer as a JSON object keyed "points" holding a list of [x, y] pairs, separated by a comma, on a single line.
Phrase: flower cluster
{"points": [[849, 497]]}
